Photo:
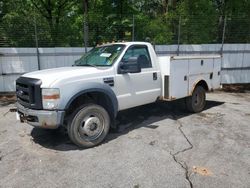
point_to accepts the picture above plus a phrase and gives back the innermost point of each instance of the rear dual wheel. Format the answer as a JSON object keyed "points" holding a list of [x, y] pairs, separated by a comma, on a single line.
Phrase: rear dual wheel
{"points": [[89, 125]]}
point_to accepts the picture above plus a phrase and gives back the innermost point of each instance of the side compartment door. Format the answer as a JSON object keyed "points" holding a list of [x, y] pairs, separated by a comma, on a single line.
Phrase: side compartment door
{"points": [[134, 89], [178, 79], [216, 73], [200, 69]]}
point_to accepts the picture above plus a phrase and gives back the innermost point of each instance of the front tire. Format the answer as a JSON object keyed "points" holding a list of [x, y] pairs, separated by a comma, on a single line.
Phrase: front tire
{"points": [[197, 102], [89, 125]]}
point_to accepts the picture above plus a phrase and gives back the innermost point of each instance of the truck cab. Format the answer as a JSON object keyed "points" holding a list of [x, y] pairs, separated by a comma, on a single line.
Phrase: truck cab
{"points": [[86, 97]]}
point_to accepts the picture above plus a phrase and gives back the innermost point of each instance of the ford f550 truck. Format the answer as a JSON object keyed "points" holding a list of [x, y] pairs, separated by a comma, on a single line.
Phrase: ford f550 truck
{"points": [[86, 97]]}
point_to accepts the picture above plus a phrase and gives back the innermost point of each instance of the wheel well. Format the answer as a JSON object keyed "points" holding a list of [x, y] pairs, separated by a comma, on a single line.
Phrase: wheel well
{"points": [[203, 84], [97, 97]]}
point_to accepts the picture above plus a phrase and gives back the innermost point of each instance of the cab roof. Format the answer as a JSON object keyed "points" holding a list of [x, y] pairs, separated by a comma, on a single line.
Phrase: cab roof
{"points": [[126, 43]]}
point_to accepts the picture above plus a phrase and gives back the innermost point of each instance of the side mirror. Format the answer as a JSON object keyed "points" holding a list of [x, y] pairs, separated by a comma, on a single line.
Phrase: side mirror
{"points": [[129, 66]]}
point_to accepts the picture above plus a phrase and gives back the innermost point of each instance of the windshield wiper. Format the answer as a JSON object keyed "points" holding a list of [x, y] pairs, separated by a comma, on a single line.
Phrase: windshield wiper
{"points": [[87, 64]]}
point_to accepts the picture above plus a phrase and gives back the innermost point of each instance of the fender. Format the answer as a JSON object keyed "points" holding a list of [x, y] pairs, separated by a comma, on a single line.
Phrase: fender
{"points": [[86, 88], [195, 84]]}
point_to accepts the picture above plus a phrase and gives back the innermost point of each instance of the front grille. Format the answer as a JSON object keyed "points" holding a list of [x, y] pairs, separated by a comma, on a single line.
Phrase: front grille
{"points": [[28, 92]]}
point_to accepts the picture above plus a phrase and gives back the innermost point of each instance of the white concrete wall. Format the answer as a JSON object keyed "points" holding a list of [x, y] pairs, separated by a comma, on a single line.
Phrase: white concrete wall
{"points": [[236, 65], [17, 61]]}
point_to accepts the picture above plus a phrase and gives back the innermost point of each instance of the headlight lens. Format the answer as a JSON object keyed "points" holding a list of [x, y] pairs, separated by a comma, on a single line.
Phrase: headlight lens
{"points": [[50, 98]]}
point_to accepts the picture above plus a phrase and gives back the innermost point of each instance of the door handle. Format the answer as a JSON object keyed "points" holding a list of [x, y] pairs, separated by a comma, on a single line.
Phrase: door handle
{"points": [[155, 76]]}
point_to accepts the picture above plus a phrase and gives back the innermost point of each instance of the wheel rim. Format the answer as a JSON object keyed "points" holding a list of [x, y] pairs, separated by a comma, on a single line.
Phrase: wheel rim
{"points": [[198, 99], [91, 127]]}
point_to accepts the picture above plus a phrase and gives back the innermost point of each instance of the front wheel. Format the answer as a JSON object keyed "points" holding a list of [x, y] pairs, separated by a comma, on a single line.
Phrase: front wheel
{"points": [[89, 125], [196, 102]]}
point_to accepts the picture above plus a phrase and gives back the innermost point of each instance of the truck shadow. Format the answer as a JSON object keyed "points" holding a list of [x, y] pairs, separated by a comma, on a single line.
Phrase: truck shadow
{"points": [[128, 120]]}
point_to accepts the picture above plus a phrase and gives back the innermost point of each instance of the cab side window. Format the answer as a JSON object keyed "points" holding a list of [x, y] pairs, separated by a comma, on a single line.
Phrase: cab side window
{"points": [[142, 55]]}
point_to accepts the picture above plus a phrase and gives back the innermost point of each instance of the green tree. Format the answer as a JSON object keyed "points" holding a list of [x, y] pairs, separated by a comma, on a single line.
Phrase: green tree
{"points": [[61, 22], [196, 26], [53, 11], [17, 23], [238, 25]]}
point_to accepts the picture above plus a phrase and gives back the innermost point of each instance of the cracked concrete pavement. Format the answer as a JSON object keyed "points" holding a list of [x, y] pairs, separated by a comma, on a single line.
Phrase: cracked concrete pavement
{"points": [[157, 145]]}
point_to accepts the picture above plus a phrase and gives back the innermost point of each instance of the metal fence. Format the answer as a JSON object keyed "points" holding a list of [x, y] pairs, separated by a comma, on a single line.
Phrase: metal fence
{"points": [[34, 32], [17, 61]]}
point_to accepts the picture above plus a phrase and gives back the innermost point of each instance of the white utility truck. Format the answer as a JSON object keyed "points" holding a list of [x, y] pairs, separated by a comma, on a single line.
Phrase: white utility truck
{"points": [[86, 97]]}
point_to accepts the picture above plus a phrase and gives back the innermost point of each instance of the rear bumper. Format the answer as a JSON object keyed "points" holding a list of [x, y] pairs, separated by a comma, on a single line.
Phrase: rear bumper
{"points": [[40, 118]]}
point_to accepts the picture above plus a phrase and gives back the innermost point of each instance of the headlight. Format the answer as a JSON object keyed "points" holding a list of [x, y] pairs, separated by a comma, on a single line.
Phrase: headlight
{"points": [[50, 98]]}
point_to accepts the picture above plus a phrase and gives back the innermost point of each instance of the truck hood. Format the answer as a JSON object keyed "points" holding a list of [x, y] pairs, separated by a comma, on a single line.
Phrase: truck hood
{"points": [[50, 76]]}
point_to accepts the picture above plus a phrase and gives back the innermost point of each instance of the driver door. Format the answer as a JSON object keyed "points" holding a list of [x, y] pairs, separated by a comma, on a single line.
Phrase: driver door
{"points": [[135, 89]]}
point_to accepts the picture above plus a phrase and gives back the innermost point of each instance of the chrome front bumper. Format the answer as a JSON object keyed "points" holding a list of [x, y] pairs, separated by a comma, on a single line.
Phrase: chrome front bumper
{"points": [[40, 118]]}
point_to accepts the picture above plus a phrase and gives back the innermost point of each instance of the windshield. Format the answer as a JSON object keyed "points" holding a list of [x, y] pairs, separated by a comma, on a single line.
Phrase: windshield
{"points": [[101, 56]]}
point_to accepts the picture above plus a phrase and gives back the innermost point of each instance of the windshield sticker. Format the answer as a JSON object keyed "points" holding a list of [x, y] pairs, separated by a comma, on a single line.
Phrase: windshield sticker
{"points": [[105, 55]]}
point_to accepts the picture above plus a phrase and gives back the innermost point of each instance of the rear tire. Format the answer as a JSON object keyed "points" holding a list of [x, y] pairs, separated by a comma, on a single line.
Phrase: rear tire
{"points": [[197, 102], [88, 125]]}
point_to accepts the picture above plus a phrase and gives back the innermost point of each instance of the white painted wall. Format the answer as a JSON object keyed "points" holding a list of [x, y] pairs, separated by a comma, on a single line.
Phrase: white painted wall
{"points": [[17, 61]]}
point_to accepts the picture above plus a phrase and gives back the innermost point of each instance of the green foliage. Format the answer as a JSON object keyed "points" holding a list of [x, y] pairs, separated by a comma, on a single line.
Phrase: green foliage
{"points": [[159, 35], [198, 21], [238, 21], [60, 22]]}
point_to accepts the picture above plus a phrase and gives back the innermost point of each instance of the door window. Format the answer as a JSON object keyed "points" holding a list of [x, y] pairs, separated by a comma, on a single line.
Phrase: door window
{"points": [[142, 55]]}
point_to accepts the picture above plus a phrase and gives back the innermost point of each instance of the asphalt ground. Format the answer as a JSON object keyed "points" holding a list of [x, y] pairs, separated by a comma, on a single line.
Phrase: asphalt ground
{"points": [[157, 145]]}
